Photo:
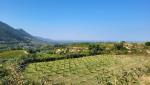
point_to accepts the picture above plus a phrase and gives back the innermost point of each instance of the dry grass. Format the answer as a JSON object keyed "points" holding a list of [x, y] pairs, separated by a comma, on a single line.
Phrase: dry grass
{"points": [[94, 70], [145, 80]]}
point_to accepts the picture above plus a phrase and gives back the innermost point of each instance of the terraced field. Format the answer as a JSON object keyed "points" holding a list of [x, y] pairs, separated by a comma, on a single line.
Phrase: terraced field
{"points": [[93, 70]]}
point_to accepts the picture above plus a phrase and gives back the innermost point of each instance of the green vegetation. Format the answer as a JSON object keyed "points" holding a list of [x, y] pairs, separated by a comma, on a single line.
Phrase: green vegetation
{"points": [[13, 53], [93, 70], [147, 43], [100, 63], [95, 49]]}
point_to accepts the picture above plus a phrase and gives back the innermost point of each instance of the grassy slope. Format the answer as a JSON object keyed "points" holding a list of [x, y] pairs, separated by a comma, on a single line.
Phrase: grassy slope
{"points": [[9, 65], [94, 70], [13, 53]]}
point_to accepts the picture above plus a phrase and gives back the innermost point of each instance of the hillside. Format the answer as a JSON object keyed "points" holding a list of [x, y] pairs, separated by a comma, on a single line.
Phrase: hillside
{"points": [[10, 34]]}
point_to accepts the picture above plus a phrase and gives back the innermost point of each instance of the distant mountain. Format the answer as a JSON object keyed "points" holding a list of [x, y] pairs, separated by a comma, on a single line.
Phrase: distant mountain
{"points": [[10, 34], [46, 40]]}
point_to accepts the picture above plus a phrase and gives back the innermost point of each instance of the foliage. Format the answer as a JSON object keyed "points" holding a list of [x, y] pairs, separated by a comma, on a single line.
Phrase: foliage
{"points": [[119, 46], [147, 43], [89, 63], [94, 49], [3, 72], [13, 53]]}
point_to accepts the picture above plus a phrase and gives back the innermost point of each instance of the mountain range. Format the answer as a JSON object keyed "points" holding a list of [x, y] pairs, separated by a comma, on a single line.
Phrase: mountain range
{"points": [[10, 34]]}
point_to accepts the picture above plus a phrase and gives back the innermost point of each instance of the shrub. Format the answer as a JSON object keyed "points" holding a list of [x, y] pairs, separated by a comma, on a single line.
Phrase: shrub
{"points": [[147, 43]]}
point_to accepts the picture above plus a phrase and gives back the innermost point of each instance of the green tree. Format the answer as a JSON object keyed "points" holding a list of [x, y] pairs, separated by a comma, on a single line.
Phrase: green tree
{"points": [[119, 46], [147, 43], [94, 49]]}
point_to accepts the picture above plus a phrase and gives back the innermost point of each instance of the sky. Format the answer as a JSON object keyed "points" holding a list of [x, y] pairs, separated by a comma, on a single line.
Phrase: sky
{"points": [[98, 20]]}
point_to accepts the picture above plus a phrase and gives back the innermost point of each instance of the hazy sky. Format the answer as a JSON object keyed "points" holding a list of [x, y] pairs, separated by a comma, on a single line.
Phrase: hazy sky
{"points": [[80, 19]]}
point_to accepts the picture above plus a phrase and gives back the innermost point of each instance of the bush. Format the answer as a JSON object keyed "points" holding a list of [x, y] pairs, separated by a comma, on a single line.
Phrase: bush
{"points": [[3, 72], [147, 43], [95, 49]]}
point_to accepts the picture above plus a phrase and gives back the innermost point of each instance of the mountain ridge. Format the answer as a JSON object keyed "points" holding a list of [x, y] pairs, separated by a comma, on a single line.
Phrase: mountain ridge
{"points": [[10, 34]]}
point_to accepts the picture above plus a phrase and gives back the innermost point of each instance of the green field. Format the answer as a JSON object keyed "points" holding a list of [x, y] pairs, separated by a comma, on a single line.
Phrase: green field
{"points": [[105, 69], [13, 53], [93, 70]]}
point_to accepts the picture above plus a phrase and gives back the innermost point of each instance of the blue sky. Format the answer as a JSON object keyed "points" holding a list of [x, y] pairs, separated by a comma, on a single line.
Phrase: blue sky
{"points": [[112, 20]]}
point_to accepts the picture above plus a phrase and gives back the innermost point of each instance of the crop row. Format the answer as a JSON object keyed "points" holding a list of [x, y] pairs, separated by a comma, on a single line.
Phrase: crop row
{"points": [[92, 70]]}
